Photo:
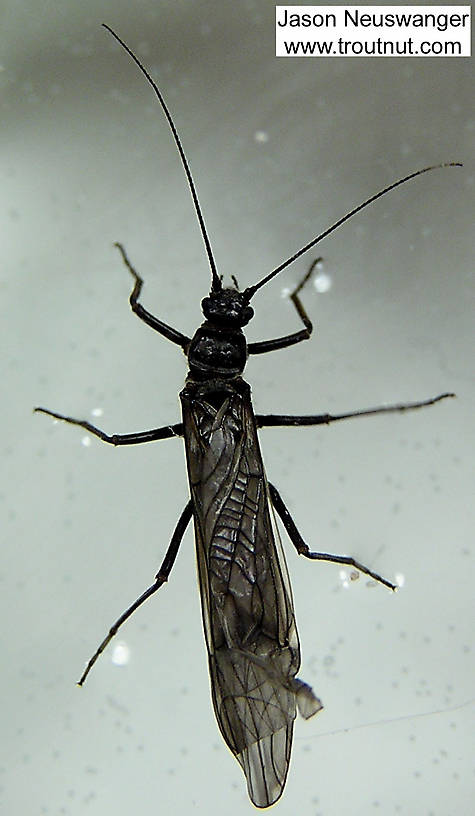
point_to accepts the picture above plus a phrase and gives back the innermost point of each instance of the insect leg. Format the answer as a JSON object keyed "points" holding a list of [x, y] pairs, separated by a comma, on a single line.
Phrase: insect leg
{"points": [[303, 549], [160, 578], [268, 420], [290, 339], [120, 439], [163, 329]]}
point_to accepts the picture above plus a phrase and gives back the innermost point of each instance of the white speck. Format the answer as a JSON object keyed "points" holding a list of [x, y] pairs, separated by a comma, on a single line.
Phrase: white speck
{"points": [[399, 579], [345, 579], [86, 441], [97, 412], [285, 292], [261, 136], [121, 654], [322, 282]]}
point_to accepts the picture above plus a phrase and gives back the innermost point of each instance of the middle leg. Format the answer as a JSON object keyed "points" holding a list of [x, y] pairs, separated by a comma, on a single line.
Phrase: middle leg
{"points": [[118, 439], [272, 420]]}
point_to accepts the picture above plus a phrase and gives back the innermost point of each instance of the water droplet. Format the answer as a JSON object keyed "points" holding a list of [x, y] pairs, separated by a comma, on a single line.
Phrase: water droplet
{"points": [[121, 654], [322, 282]]}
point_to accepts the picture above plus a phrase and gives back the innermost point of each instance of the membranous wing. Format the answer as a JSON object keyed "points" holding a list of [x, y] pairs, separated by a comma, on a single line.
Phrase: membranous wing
{"points": [[246, 600]]}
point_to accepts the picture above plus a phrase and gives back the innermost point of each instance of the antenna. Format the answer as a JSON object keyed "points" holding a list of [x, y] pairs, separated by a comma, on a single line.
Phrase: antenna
{"points": [[251, 290], [216, 284]]}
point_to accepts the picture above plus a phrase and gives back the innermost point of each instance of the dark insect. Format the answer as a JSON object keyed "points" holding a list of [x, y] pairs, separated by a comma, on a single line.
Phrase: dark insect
{"points": [[248, 614]]}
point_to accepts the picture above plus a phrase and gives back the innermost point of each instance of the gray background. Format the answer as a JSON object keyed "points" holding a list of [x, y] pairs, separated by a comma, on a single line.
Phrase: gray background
{"points": [[87, 159]]}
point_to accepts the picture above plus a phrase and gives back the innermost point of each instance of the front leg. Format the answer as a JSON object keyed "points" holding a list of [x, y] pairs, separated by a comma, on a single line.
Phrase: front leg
{"points": [[150, 319], [303, 548], [290, 339], [119, 439]]}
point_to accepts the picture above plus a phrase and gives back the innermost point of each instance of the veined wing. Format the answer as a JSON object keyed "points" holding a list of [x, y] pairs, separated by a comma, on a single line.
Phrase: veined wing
{"points": [[246, 600]]}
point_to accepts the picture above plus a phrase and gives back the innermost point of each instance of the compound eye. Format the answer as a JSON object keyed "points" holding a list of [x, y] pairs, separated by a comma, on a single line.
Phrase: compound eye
{"points": [[247, 314], [205, 304]]}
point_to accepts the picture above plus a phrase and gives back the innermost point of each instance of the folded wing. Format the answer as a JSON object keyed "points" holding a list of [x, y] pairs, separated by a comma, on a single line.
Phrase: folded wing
{"points": [[247, 607]]}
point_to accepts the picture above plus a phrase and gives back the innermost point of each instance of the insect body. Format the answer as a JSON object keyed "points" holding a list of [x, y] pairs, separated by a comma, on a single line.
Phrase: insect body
{"points": [[246, 600]]}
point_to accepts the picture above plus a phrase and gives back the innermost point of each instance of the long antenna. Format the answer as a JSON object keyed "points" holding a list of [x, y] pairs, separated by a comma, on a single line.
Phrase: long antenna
{"points": [[215, 279], [251, 290]]}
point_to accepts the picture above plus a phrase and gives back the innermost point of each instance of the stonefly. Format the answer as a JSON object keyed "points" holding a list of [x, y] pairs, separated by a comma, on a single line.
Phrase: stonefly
{"points": [[246, 599]]}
